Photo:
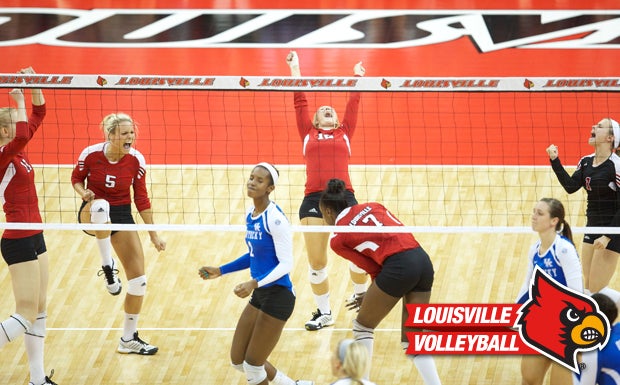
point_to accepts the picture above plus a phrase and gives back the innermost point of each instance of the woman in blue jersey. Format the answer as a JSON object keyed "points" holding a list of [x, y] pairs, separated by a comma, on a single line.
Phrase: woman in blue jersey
{"points": [[270, 260], [599, 175], [556, 255]]}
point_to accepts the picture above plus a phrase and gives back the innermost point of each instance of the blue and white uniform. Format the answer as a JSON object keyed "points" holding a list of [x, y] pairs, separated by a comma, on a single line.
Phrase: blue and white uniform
{"points": [[270, 248], [603, 367], [560, 262]]}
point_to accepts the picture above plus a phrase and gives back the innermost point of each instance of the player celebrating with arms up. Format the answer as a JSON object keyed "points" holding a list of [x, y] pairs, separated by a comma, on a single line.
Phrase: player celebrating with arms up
{"points": [[112, 169], [599, 175], [398, 265], [24, 250], [326, 150]]}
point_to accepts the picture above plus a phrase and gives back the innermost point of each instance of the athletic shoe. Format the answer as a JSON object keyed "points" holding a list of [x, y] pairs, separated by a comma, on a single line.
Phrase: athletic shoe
{"points": [[136, 346], [112, 282], [319, 320], [354, 302], [304, 382], [48, 380]]}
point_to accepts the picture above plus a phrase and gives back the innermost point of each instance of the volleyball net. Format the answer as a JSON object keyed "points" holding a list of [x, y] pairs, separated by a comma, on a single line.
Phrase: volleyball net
{"points": [[443, 154]]}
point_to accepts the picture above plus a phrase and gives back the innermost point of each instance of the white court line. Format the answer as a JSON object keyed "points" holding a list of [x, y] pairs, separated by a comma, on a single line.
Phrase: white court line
{"points": [[201, 329]]}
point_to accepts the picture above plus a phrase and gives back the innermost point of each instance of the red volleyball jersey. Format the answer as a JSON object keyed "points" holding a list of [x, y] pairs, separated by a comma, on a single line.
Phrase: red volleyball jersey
{"points": [[113, 181], [326, 152], [17, 189], [369, 250]]}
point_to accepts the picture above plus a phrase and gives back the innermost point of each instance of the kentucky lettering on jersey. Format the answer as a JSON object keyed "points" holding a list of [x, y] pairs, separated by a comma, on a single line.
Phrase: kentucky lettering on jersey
{"points": [[256, 233], [269, 243], [560, 262]]}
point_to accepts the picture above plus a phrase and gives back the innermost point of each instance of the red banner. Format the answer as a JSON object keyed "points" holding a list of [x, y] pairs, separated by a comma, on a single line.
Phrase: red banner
{"points": [[465, 329]]}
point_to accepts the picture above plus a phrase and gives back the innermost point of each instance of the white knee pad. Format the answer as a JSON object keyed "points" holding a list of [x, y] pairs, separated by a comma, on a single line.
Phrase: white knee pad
{"points": [[100, 211], [356, 269], [137, 286], [254, 374], [317, 276], [38, 328], [238, 367], [15, 326]]}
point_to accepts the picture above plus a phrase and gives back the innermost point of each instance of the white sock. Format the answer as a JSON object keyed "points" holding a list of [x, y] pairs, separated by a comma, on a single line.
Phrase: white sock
{"points": [[427, 369], [359, 288], [322, 302], [130, 326], [365, 336], [105, 250], [613, 294], [35, 347], [13, 327], [282, 379]]}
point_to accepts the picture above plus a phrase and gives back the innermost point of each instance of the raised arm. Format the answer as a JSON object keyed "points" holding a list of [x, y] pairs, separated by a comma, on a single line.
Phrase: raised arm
{"points": [[17, 95], [349, 122], [293, 62], [359, 70], [302, 115], [37, 94], [571, 183]]}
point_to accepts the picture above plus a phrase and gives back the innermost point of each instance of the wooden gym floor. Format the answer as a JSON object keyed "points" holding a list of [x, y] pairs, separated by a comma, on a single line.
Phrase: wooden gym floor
{"points": [[192, 321]]}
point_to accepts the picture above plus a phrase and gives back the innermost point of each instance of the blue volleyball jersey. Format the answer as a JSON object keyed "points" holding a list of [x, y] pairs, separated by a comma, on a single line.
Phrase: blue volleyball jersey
{"points": [[603, 367], [560, 262], [609, 359], [270, 245]]}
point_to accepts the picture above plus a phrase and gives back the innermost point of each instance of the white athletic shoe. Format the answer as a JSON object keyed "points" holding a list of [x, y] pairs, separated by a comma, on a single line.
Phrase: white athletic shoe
{"points": [[319, 321], [48, 380], [304, 382], [136, 346], [354, 302], [112, 282]]}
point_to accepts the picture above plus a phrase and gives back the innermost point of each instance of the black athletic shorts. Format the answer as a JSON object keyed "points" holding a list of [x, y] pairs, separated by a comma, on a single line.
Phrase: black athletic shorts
{"points": [[22, 249], [310, 205], [613, 245], [407, 271], [277, 301], [118, 214]]}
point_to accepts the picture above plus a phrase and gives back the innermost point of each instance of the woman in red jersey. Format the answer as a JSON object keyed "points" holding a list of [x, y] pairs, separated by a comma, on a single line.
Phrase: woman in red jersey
{"points": [[111, 169], [398, 265], [326, 150], [24, 250]]}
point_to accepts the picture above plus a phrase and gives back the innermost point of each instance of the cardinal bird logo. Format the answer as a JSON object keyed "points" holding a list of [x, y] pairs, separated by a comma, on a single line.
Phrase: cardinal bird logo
{"points": [[386, 83], [528, 84], [101, 81], [243, 82], [559, 322]]}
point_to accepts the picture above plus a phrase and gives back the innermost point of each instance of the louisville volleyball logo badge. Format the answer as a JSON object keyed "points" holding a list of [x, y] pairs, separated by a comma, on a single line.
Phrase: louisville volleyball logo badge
{"points": [[559, 322]]}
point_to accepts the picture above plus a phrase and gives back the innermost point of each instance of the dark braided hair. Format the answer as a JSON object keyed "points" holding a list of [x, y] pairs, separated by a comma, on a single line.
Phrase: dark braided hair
{"points": [[607, 306], [333, 196]]}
